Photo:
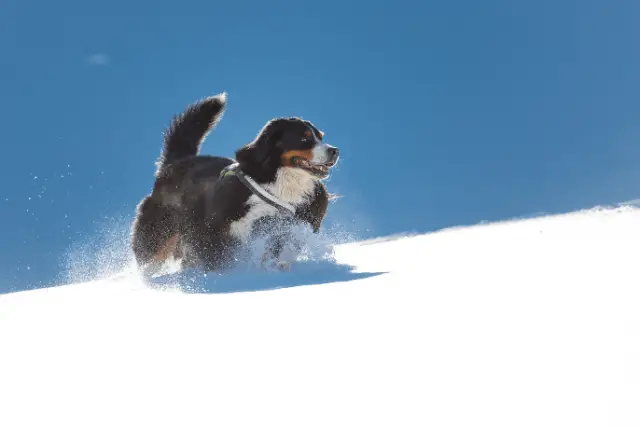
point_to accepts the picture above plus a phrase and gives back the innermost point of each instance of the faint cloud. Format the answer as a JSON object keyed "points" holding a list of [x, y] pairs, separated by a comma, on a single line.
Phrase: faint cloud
{"points": [[98, 59]]}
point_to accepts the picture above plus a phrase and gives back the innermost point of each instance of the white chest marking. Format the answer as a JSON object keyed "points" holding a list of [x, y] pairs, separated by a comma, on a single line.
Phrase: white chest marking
{"points": [[291, 185]]}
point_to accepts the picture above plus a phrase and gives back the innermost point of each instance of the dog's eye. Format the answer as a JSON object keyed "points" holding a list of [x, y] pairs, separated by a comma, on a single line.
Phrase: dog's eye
{"points": [[307, 134]]}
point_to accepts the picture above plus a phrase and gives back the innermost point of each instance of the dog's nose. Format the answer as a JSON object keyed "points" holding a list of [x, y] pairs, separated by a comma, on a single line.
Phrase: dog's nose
{"points": [[334, 152]]}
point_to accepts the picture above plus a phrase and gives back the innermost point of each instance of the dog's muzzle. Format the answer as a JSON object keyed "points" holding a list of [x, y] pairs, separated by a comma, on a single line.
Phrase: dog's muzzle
{"points": [[324, 157]]}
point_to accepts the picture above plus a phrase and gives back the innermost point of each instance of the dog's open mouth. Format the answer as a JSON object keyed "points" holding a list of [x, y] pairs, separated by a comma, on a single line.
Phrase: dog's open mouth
{"points": [[321, 170]]}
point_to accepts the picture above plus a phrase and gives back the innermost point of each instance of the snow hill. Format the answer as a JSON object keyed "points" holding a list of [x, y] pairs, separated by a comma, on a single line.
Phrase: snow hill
{"points": [[532, 322]]}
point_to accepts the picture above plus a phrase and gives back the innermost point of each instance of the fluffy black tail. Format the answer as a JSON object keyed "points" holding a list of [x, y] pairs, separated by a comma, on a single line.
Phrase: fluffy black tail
{"points": [[188, 130]]}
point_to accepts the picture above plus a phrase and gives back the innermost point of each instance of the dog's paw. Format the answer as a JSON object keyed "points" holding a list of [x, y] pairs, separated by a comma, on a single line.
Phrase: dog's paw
{"points": [[149, 270], [284, 266]]}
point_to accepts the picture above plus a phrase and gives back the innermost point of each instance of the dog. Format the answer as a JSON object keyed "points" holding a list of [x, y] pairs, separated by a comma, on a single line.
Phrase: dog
{"points": [[203, 208]]}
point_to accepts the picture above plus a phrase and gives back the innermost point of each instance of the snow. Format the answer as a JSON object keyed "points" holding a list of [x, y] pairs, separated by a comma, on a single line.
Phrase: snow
{"points": [[531, 322]]}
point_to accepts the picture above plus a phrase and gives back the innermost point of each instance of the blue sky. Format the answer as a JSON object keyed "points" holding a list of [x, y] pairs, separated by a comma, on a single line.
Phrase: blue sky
{"points": [[446, 113]]}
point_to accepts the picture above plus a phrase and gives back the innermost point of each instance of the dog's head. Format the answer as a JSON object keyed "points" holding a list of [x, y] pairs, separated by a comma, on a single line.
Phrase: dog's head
{"points": [[287, 142]]}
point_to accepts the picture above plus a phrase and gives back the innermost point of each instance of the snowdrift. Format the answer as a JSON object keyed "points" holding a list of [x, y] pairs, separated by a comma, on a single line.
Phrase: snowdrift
{"points": [[522, 323]]}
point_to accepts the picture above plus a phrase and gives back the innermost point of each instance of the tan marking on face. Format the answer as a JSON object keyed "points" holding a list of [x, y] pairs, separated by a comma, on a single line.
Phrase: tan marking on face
{"points": [[289, 155]]}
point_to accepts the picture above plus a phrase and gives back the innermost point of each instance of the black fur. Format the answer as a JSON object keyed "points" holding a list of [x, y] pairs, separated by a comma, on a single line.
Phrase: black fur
{"points": [[191, 201]]}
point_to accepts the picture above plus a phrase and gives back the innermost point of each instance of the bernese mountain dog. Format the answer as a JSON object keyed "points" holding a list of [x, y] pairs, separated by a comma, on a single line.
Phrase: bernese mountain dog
{"points": [[202, 208]]}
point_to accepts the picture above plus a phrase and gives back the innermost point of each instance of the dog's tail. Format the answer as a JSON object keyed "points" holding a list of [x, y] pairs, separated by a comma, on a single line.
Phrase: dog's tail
{"points": [[187, 130]]}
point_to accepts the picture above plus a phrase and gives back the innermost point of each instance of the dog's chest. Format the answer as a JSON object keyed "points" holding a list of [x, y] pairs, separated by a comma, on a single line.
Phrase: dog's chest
{"points": [[291, 185]]}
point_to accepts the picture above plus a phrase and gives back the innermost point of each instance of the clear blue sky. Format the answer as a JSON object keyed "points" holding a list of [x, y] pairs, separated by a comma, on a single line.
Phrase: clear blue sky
{"points": [[446, 113]]}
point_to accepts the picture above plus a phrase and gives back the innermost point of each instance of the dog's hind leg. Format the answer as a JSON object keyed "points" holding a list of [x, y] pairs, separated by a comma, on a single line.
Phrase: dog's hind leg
{"points": [[155, 233]]}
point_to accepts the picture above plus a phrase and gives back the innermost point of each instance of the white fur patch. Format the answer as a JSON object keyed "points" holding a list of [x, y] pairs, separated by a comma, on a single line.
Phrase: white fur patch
{"points": [[292, 185], [320, 153]]}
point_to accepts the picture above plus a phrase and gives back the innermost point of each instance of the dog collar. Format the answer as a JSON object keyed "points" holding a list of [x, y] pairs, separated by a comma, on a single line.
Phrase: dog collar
{"points": [[284, 207]]}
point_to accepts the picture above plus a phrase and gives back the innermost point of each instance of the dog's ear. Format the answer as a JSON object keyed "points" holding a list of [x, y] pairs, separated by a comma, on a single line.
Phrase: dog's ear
{"points": [[275, 139], [254, 153], [257, 152]]}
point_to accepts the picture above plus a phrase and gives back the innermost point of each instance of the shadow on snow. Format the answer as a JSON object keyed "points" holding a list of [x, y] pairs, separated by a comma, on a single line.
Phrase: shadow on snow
{"points": [[252, 279]]}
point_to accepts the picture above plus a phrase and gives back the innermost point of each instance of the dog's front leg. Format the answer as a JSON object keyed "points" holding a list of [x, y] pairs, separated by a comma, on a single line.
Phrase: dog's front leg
{"points": [[281, 250], [282, 245]]}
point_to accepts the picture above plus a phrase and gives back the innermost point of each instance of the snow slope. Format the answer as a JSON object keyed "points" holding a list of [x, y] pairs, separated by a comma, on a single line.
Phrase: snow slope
{"points": [[523, 323]]}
